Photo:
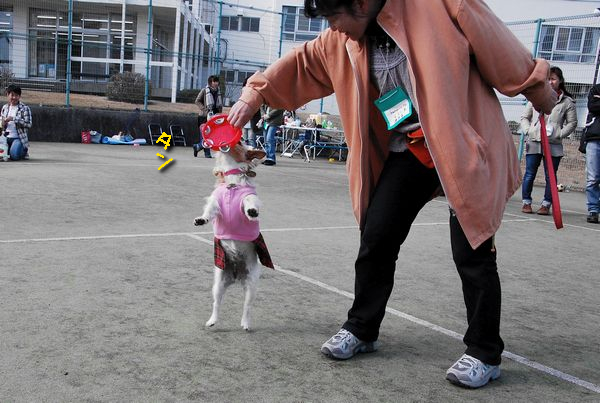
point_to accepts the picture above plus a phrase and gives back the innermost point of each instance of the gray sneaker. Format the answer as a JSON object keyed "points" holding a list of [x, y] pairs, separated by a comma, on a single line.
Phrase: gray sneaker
{"points": [[345, 345], [472, 373]]}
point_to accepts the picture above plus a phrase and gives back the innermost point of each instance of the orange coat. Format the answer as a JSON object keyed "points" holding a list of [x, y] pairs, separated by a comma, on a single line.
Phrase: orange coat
{"points": [[458, 51]]}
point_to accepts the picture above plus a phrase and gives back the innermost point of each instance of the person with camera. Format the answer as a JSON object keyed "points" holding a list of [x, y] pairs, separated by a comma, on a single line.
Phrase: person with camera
{"points": [[15, 120]]}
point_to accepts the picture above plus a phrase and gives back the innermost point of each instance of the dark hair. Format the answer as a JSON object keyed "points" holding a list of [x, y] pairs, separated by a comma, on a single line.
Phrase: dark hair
{"points": [[325, 8], [561, 80], [13, 88], [213, 79]]}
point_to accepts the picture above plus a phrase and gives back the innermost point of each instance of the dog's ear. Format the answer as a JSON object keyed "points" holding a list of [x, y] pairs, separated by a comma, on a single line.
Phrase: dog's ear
{"points": [[255, 154]]}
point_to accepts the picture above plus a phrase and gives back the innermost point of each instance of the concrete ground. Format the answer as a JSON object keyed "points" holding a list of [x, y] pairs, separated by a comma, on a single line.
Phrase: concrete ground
{"points": [[105, 289]]}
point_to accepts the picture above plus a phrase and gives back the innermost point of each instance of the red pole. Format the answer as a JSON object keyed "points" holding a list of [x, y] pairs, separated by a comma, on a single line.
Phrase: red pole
{"points": [[556, 213]]}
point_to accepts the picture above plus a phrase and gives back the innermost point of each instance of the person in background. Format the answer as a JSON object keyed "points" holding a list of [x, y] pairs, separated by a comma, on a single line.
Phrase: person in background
{"points": [[16, 122], [560, 124], [414, 82], [273, 118], [590, 145], [209, 102], [254, 127]]}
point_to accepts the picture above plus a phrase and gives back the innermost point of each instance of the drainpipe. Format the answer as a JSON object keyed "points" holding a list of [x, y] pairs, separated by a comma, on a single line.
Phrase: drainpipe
{"points": [[122, 36], [148, 51], [176, 53], [218, 68], [69, 51]]}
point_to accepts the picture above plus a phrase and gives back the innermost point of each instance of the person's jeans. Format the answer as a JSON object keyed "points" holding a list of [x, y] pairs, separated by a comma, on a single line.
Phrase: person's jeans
{"points": [[16, 151], [271, 142], [532, 163], [404, 187], [592, 167], [251, 137]]}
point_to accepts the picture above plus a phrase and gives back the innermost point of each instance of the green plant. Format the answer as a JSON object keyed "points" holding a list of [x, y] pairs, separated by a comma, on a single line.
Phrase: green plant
{"points": [[6, 76], [127, 87], [188, 96]]}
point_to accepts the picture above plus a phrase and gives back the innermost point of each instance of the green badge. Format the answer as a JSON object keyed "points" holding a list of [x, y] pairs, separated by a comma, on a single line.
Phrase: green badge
{"points": [[395, 106]]}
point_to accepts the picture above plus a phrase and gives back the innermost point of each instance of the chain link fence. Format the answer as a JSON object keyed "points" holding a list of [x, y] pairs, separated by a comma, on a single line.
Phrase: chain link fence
{"points": [[572, 44], [76, 47]]}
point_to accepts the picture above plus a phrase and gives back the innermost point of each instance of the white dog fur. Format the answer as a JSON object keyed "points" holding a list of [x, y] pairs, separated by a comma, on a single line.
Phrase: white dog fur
{"points": [[242, 255]]}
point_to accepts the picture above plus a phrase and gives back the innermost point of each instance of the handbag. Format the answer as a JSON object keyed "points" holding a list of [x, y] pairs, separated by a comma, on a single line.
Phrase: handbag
{"points": [[418, 147]]}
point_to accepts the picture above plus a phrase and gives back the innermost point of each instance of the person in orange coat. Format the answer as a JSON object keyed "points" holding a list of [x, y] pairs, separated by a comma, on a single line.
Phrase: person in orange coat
{"points": [[414, 81]]}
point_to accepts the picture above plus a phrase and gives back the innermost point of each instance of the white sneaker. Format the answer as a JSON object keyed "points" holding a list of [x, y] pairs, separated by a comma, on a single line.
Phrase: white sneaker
{"points": [[472, 373], [344, 345]]}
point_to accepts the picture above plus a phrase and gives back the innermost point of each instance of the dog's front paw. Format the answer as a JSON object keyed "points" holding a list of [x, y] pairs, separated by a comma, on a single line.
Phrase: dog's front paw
{"points": [[252, 214], [211, 322], [200, 221]]}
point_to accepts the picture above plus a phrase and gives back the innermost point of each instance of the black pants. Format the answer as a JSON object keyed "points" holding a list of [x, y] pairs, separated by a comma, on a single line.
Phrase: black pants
{"points": [[201, 121], [404, 187]]}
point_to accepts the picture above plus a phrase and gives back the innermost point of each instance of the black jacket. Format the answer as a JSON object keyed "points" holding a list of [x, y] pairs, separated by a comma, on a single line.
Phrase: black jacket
{"points": [[592, 132]]}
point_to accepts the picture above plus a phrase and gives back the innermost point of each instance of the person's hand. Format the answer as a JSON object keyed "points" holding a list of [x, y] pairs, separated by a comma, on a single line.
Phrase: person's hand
{"points": [[240, 114], [549, 104], [8, 119]]}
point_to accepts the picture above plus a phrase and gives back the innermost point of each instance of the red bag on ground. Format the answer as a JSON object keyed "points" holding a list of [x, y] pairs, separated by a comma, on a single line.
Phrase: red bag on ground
{"points": [[86, 137]]}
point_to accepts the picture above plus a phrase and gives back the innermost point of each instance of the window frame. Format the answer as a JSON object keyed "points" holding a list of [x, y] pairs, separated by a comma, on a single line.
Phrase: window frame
{"points": [[553, 45], [236, 23], [300, 35]]}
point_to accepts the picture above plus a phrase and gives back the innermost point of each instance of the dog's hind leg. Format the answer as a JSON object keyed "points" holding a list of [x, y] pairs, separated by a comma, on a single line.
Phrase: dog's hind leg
{"points": [[220, 285], [250, 284]]}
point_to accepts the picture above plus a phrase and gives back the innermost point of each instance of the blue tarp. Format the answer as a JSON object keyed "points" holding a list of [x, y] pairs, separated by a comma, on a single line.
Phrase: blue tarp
{"points": [[110, 140]]}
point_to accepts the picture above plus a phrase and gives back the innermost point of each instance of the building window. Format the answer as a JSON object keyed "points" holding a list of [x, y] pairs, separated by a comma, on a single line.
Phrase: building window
{"points": [[6, 27], [236, 76], [297, 27], [568, 44], [95, 36], [238, 23], [229, 76]]}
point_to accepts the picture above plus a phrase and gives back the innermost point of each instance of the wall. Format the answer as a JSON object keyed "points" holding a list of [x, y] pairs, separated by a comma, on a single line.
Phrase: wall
{"points": [[63, 124]]}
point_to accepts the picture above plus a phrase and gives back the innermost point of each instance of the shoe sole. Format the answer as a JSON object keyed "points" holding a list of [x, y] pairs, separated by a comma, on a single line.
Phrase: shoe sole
{"points": [[455, 381], [366, 348]]}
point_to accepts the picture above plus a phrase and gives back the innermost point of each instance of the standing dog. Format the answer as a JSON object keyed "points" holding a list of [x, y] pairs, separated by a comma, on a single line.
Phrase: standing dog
{"points": [[234, 207]]}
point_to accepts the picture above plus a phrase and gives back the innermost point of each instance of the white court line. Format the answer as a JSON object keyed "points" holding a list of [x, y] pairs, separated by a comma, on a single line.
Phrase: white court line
{"points": [[551, 221], [93, 237]]}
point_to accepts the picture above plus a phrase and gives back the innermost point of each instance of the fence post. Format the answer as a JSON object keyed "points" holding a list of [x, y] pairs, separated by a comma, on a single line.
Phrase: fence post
{"points": [[69, 51], [148, 50], [280, 35], [218, 67], [595, 80], [536, 40]]}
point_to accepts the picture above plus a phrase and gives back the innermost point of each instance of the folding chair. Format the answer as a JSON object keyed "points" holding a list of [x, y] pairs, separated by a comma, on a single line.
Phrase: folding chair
{"points": [[155, 131], [177, 134]]}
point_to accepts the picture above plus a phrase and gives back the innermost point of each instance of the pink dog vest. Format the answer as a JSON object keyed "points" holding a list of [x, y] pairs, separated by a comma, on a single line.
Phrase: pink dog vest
{"points": [[232, 223]]}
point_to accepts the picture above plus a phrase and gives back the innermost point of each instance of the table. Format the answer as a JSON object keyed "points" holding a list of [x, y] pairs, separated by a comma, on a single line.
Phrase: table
{"points": [[325, 139]]}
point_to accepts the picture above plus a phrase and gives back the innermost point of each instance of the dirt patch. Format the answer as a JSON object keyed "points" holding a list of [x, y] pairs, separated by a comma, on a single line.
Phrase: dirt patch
{"points": [[100, 102]]}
